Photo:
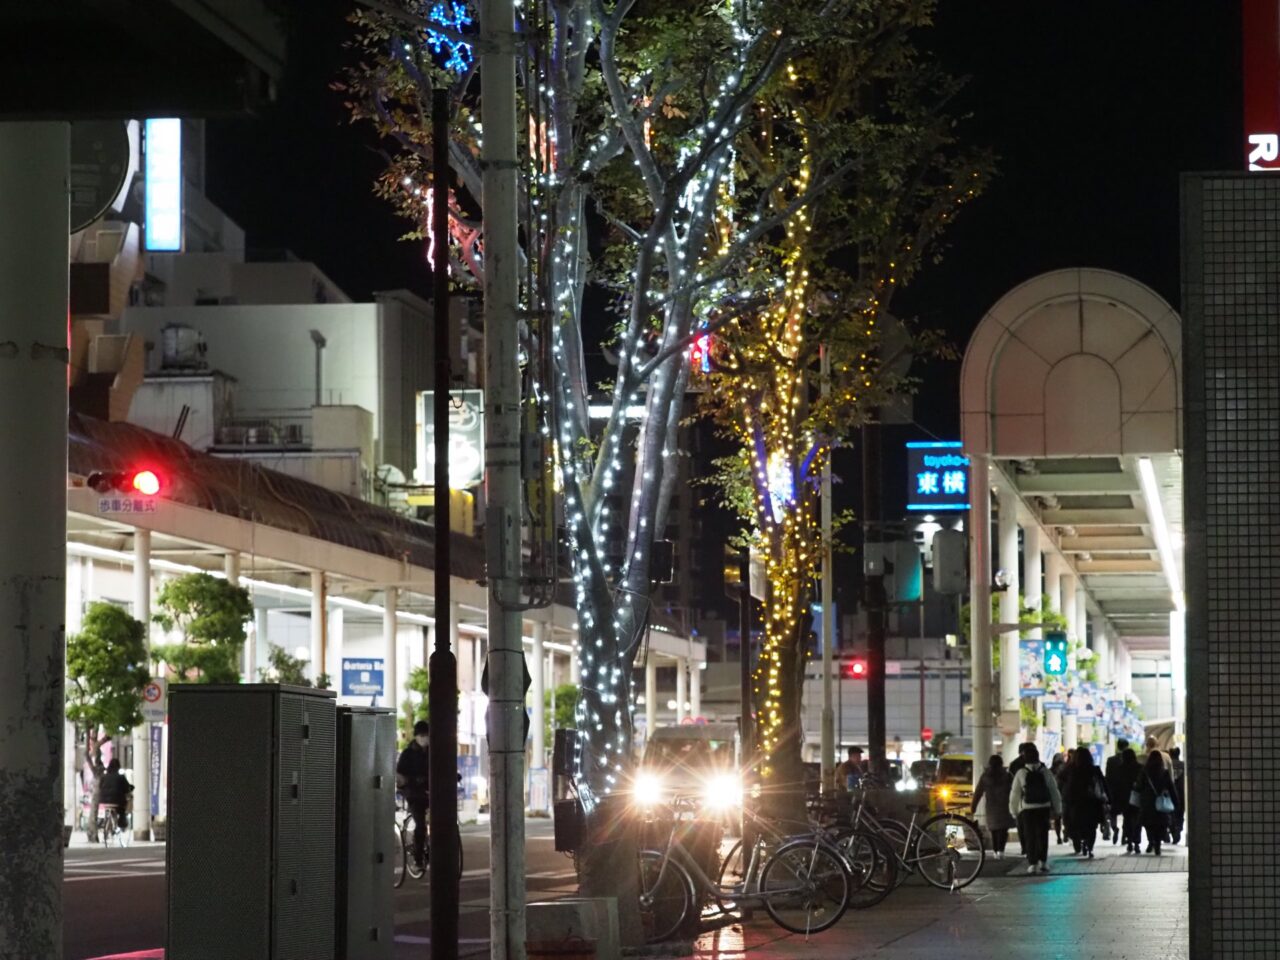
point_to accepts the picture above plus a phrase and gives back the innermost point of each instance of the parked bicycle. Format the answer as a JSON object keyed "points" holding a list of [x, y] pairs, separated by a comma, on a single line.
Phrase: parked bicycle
{"points": [[803, 883]]}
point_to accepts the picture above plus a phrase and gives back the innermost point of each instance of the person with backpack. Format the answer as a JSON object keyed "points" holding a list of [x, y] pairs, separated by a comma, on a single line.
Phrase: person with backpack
{"points": [[994, 784], [1085, 798], [1033, 799]]}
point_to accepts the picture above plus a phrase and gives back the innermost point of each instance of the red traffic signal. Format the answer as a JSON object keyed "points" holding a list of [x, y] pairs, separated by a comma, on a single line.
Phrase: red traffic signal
{"points": [[856, 669], [133, 482]]}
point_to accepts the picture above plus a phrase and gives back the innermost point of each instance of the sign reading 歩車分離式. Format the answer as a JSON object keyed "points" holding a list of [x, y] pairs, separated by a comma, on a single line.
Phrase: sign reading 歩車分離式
{"points": [[937, 476]]}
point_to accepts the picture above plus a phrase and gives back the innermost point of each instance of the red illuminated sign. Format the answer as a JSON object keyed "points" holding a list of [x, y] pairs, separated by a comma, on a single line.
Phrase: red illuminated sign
{"points": [[1261, 23]]}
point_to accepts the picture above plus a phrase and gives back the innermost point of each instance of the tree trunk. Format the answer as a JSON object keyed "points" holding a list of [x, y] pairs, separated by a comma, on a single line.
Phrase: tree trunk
{"points": [[609, 866]]}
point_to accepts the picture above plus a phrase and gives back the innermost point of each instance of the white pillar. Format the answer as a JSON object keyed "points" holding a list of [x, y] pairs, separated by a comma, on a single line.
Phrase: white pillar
{"points": [[333, 647], [231, 570], [34, 161], [682, 693], [695, 688], [575, 665], [259, 644], [1178, 667], [650, 695], [980, 595], [1033, 570], [1054, 568], [1101, 650], [74, 621], [537, 670], [1082, 612], [1053, 724], [316, 665], [1070, 610], [390, 649], [1071, 725], [1009, 611], [142, 733]]}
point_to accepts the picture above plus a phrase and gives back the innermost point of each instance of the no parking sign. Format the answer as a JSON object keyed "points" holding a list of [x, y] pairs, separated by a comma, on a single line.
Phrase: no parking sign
{"points": [[155, 700]]}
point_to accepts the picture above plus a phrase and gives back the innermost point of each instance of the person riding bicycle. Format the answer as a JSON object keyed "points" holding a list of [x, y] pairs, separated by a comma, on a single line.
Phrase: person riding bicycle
{"points": [[114, 792], [412, 779]]}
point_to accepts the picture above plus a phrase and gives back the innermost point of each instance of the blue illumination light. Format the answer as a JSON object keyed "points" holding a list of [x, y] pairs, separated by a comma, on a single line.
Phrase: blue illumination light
{"points": [[456, 17]]}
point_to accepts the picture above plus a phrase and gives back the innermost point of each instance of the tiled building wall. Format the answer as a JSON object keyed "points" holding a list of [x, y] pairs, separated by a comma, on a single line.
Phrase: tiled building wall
{"points": [[1231, 315]]}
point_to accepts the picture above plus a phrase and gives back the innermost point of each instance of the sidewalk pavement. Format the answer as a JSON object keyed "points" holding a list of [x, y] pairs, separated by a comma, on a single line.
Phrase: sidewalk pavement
{"points": [[1053, 917]]}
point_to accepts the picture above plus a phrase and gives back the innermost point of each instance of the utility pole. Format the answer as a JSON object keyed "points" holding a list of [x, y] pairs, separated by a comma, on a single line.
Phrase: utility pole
{"points": [[442, 695], [502, 479], [828, 759], [34, 253], [744, 677], [875, 595]]}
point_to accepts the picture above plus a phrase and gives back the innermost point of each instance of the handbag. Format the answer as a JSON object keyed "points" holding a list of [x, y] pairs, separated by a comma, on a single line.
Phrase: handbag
{"points": [[1164, 802], [1135, 798]]}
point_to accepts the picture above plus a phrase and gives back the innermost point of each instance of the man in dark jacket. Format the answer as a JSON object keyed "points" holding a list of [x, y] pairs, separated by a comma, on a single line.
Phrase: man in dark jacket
{"points": [[413, 779], [1115, 779]]}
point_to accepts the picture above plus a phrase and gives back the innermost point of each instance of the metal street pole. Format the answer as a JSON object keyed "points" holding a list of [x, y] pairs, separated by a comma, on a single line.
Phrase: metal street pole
{"points": [[502, 479], [34, 250], [442, 695], [828, 759], [744, 678], [875, 595]]}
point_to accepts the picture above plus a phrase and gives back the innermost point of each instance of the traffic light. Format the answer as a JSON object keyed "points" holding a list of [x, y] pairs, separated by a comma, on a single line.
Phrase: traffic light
{"points": [[1055, 654], [856, 669], [144, 482]]}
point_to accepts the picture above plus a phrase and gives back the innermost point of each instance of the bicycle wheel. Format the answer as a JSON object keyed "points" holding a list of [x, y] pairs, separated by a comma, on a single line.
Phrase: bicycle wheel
{"points": [[400, 855], [805, 886], [872, 865], [666, 895], [124, 831], [949, 852], [411, 865]]}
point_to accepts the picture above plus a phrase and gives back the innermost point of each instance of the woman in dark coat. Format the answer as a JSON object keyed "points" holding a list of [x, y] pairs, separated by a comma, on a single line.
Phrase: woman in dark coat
{"points": [[1154, 782], [1123, 780], [1085, 800], [1060, 767], [994, 784]]}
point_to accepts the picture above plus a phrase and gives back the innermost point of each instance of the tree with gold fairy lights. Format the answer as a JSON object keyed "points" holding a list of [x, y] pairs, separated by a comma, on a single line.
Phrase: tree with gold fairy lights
{"points": [[823, 285], [655, 171]]}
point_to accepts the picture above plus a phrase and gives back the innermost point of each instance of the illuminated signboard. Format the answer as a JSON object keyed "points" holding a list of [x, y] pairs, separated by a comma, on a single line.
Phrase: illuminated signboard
{"points": [[162, 152], [937, 476], [466, 438], [1261, 23]]}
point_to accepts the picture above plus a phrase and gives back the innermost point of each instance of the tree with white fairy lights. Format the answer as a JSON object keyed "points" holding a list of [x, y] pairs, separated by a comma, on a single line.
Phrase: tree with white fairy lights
{"points": [[661, 142]]}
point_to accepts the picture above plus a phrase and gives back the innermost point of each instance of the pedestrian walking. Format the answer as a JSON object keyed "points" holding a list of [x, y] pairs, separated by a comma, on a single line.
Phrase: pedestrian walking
{"points": [[1125, 797], [1118, 801], [1155, 796], [1060, 768], [1033, 800], [1085, 801], [1019, 762], [995, 784], [1179, 772]]}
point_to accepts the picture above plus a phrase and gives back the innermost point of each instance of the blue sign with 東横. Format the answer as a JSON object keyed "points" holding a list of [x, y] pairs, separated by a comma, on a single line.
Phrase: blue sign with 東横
{"points": [[362, 677], [937, 476]]}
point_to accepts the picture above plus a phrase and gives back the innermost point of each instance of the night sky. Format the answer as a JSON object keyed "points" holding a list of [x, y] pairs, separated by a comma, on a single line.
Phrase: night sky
{"points": [[1094, 106]]}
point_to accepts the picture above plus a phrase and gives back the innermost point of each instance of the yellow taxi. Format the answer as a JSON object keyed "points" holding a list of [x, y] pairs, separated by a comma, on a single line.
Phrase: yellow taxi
{"points": [[953, 785]]}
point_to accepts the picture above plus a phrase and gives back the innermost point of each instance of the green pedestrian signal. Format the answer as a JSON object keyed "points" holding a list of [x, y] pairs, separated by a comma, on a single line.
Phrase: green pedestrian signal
{"points": [[1055, 654]]}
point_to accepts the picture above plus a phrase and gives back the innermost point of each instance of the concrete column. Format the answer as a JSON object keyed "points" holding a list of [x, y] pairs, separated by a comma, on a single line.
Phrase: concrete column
{"points": [[537, 669], [1071, 726], [1008, 562], [1070, 610], [333, 647], [258, 645], [1054, 568], [1082, 611], [390, 652], [575, 665], [1178, 667], [1101, 650], [1033, 570], [34, 160], [231, 570], [316, 666], [142, 733], [980, 596], [74, 621], [650, 695], [682, 682], [1053, 724], [695, 688]]}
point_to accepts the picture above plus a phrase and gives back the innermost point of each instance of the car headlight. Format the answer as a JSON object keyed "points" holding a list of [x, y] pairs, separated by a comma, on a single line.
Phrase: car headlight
{"points": [[647, 790], [722, 791]]}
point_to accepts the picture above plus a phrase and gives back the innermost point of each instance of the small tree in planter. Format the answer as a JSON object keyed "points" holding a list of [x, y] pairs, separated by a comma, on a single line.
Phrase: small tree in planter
{"points": [[211, 614], [283, 667], [106, 671]]}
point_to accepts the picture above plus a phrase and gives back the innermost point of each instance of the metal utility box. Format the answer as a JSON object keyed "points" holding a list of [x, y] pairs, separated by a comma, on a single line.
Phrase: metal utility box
{"points": [[365, 833], [251, 822]]}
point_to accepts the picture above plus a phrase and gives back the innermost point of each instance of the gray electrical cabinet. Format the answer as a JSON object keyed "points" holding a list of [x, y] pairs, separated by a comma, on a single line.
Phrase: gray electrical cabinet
{"points": [[251, 822], [365, 856]]}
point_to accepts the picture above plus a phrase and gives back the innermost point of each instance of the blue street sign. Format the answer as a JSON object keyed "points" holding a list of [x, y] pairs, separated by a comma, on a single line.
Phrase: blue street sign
{"points": [[937, 476], [362, 677]]}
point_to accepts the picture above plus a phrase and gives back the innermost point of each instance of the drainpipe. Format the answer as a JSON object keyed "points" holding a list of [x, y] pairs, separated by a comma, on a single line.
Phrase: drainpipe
{"points": [[318, 339]]}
